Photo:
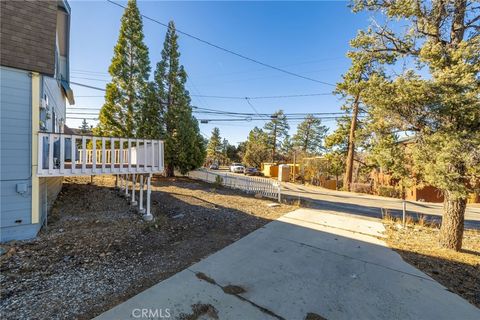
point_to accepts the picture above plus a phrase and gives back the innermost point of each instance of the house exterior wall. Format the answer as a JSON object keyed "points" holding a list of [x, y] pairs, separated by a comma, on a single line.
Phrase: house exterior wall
{"points": [[56, 109], [28, 46], [15, 154], [23, 214]]}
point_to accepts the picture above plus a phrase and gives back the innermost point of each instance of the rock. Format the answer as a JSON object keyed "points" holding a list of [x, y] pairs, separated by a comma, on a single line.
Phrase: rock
{"points": [[178, 216], [273, 204]]}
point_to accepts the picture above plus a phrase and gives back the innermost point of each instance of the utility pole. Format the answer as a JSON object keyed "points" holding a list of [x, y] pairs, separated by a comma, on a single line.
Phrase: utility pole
{"points": [[294, 163], [274, 141], [351, 145]]}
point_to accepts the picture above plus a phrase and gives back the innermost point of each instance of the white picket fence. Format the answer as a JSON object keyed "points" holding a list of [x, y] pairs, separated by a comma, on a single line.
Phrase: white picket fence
{"points": [[267, 187]]}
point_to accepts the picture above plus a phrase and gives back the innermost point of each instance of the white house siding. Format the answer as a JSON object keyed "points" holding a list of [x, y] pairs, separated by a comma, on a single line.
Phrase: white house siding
{"points": [[56, 104], [50, 187], [15, 154]]}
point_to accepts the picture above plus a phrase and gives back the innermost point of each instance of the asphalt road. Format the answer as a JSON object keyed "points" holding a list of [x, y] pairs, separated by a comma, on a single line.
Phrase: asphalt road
{"points": [[372, 206], [366, 205]]}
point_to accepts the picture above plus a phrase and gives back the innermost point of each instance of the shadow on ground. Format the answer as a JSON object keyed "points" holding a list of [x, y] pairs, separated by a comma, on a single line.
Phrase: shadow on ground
{"points": [[97, 252]]}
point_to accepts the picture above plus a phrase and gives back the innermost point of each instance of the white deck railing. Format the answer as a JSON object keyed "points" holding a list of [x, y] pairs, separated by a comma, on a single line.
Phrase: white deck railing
{"points": [[267, 187], [73, 155]]}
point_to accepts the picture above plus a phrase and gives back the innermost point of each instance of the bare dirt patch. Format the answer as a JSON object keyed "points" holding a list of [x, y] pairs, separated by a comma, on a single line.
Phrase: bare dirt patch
{"points": [[457, 271], [98, 252]]}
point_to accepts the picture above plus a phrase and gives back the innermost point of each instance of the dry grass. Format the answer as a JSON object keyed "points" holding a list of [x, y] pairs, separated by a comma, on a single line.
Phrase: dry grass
{"points": [[417, 243]]}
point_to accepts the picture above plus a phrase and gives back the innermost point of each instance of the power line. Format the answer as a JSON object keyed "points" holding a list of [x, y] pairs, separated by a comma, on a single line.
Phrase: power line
{"points": [[229, 51], [87, 86], [215, 96], [265, 97]]}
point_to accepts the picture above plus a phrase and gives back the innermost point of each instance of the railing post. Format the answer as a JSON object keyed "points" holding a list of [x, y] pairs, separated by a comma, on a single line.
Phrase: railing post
{"points": [[94, 154], [50, 153], [159, 155], [140, 199], [129, 145], [84, 153], [133, 202], [145, 155], [152, 156], [62, 153], [121, 155], [112, 154], [148, 216], [136, 155], [73, 140], [104, 158]]}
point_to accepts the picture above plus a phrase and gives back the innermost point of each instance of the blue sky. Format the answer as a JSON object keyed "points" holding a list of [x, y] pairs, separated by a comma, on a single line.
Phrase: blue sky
{"points": [[308, 38]]}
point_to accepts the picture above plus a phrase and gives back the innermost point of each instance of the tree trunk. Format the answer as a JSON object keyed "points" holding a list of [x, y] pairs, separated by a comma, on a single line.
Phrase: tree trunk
{"points": [[169, 170], [351, 147], [451, 231]]}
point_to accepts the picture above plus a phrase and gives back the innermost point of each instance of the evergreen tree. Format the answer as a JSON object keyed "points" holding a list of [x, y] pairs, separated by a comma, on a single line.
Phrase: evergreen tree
{"points": [[310, 135], [130, 67], [286, 149], [442, 109], [257, 149], [215, 146], [85, 127], [184, 145], [150, 117], [277, 131]]}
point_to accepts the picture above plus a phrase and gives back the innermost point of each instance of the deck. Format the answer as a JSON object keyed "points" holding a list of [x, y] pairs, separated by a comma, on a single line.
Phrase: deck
{"points": [[75, 155]]}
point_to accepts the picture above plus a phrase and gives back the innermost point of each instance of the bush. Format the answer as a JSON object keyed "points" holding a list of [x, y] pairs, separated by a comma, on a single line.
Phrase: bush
{"points": [[388, 191]]}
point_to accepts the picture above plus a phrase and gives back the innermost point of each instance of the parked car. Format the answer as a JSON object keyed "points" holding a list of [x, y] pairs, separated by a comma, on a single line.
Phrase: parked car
{"points": [[213, 166], [237, 168], [252, 172]]}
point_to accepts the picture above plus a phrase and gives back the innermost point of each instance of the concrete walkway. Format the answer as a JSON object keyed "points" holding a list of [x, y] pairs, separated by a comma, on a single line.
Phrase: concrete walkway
{"points": [[307, 262]]}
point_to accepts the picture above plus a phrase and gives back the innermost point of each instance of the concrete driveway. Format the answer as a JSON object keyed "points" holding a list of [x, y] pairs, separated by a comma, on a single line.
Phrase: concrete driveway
{"points": [[309, 264]]}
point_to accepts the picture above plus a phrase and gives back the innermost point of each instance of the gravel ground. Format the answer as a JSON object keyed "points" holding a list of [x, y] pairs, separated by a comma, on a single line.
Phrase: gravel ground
{"points": [[97, 252], [458, 271]]}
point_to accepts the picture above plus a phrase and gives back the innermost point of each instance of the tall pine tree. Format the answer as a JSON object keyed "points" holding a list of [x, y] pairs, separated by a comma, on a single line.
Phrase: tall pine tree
{"points": [[184, 146], [126, 93], [310, 135], [277, 131], [214, 147]]}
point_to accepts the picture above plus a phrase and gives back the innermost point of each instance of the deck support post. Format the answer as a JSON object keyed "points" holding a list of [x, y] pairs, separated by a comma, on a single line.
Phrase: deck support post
{"points": [[126, 186], [148, 216], [134, 186], [140, 199]]}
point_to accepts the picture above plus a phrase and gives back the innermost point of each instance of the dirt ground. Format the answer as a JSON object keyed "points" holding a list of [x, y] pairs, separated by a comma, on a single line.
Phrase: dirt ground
{"points": [[417, 243], [97, 251]]}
